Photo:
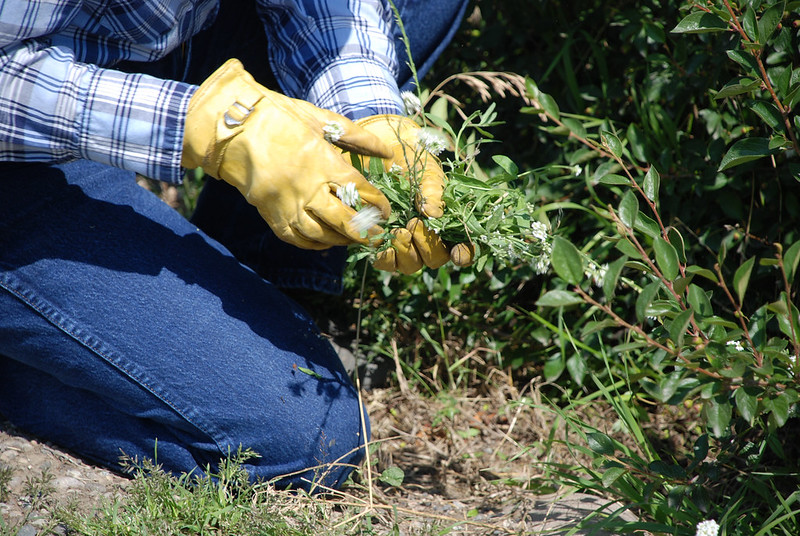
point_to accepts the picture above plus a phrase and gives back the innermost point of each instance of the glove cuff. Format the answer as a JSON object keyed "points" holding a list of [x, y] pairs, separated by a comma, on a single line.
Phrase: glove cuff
{"points": [[216, 114]]}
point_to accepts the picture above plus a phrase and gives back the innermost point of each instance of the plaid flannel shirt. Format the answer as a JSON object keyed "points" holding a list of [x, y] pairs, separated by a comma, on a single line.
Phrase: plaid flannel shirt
{"points": [[60, 99]]}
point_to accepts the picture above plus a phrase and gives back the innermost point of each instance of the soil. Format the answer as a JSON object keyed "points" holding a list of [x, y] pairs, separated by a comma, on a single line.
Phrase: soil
{"points": [[471, 458]]}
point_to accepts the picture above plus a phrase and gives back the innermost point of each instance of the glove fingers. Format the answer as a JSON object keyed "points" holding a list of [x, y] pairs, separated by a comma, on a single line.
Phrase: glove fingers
{"points": [[368, 193], [353, 138], [463, 254], [335, 221], [402, 256], [428, 244], [431, 187], [299, 234]]}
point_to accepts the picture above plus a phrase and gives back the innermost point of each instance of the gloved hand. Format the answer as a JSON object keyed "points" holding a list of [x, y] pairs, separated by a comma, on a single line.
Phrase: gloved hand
{"points": [[273, 150], [415, 245]]}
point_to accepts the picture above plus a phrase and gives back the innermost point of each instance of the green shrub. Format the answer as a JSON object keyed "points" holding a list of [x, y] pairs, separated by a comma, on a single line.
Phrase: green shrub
{"points": [[676, 249]]}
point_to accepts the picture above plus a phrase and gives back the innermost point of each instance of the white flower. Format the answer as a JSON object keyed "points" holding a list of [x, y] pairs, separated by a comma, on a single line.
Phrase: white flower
{"points": [[431, 141], [577, 170], [737, 345], [539, 231], [332, 131], [348, 194], [411, 102], [596, 273], [541, 262], [365, 218], [707, 528], [395, 169]]}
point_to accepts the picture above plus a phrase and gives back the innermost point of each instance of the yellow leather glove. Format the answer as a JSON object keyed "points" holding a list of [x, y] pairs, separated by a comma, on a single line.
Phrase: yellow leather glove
{"points": [[273, 150], [415, 245]]}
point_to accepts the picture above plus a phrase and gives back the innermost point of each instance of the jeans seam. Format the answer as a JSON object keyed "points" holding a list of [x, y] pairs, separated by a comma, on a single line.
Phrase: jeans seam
{"points": [[59, 320]]}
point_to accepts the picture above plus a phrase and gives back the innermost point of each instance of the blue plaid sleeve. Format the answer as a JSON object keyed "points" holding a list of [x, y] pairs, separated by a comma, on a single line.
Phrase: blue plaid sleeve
{"points": [[56, 109], [337, 54]]}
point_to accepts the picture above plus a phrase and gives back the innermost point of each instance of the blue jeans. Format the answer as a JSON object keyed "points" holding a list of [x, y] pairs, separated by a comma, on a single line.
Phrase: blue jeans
{"points": [[126, 329]]}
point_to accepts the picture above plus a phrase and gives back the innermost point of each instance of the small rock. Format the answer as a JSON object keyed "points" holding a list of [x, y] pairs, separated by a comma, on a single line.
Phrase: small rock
{"points": [[27, 530], [65, 483]]}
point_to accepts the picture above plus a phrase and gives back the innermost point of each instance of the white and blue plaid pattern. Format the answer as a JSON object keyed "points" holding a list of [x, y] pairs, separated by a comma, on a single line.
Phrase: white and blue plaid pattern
{"points": [[60, 100]]}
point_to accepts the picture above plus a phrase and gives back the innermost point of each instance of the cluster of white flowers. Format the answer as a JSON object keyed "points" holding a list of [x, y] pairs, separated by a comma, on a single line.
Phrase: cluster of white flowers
{"points": [[540, 262], [737, 345], [596, 273], [708, 527], [348, 194], [431, 141], [539, 231], [411, 102], [332, 131]]}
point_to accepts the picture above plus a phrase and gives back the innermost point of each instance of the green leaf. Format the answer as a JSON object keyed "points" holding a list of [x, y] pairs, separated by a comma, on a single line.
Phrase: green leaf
{"points": [[700, 22], [652, 181], [611, 142], [576, 366], [737, 86], [612, 474], [769, 114], [629, 209], [612, 276], [645, 298], [559, 298], [666, 258], [699, 301], [769, 21], [549, 105], [702, 272], [614, 179], [745, 60], [637, 142], [506, 164], [553, 368], [679, 325], [600, 443], [626, 248], [791, 258], [566, 261], [718, 415], [749, 24], [676, 239], [680, 283], [669, 470], [746, 403], [742, 278], [743, 151], [779, 407], [647, 225], [575, 126], [392, 476], [310, 372]]}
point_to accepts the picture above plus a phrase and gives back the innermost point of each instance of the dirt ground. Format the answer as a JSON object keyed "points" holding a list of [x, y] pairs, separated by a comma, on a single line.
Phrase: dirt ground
{"points": [[472, 458]]}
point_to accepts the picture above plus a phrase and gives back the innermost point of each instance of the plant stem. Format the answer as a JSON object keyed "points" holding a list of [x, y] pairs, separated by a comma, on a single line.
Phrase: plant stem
{"points": [[765, 77]]}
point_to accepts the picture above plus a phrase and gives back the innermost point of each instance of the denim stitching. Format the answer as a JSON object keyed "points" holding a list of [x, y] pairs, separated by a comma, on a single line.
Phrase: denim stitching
{"points": [[59, 320]]}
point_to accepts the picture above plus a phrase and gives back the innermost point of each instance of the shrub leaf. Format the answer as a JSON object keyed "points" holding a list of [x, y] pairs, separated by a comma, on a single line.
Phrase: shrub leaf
{"points": [[742, 278], [743, 151], [629, 209], [567, 261], [666, 258], [700, 22], [559, 298]]}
